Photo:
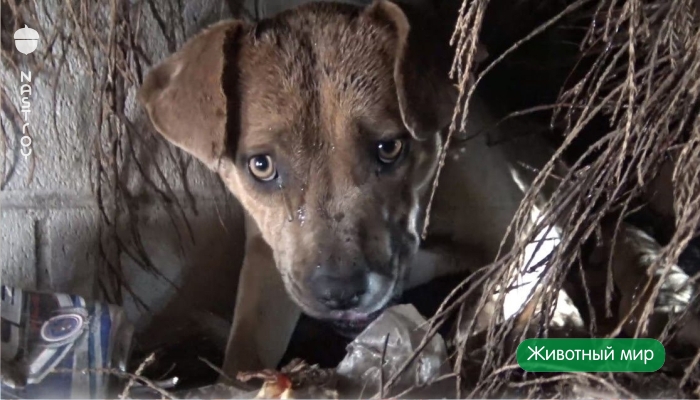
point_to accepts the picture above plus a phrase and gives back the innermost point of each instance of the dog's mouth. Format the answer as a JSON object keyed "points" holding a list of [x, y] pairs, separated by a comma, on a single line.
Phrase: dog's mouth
{"points": [[351, 323]]}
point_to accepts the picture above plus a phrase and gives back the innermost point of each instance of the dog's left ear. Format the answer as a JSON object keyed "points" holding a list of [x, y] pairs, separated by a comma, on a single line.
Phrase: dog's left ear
{"points": [[422, 61]]}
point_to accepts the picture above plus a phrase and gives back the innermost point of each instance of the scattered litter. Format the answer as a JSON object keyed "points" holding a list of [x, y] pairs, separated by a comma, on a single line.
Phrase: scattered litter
{"points": [[57, 345], [297, 380], [359, 373]]}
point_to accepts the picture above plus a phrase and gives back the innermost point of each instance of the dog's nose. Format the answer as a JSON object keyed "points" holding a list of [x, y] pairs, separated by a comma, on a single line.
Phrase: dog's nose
{"points": [[338, 291]]}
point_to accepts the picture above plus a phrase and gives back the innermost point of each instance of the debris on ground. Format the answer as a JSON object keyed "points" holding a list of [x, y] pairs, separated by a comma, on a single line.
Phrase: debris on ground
{"points": [[297, 380], [392, 341]]}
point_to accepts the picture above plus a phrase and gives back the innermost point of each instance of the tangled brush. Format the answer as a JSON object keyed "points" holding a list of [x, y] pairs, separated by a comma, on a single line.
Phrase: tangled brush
{"points": [[638, 70]]}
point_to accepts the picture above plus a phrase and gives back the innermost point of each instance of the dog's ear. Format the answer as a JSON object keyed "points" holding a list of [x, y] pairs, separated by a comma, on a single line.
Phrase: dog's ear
{"points": [[425, 93], [184, 96]]}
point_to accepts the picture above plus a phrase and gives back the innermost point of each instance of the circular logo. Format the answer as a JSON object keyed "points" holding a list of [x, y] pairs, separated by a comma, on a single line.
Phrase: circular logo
{"points": [[62, 327], [26, 40]]}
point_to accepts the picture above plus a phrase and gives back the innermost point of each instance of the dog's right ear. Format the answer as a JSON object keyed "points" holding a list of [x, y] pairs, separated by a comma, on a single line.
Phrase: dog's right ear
{"points": [[425, 93], [184, 96]]}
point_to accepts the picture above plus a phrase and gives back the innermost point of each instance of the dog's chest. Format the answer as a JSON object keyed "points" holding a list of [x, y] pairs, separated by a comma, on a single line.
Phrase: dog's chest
{"points": [[475, 201]]}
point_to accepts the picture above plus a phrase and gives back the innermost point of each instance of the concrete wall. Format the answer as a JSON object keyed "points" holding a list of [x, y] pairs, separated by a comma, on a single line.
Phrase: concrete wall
{"points": [[53, 234]]}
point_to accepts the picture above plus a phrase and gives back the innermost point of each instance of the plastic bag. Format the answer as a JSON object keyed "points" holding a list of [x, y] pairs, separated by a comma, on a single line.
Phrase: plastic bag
{"points": [[406, 328]]}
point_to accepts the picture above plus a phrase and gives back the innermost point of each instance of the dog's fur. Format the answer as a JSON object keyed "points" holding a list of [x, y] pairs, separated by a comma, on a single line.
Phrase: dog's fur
{"points": [[317, 88]]}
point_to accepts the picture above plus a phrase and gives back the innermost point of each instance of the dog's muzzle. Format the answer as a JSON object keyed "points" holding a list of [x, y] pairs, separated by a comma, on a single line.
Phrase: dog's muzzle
{"points": [[350, 300]]}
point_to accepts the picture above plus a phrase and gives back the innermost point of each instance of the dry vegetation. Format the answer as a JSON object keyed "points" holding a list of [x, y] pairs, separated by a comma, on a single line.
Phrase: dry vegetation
{"points": [[644, 79]]}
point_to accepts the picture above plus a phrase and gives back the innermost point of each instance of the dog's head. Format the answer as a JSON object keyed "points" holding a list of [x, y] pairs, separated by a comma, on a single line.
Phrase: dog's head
{"points": [[324, 122]]}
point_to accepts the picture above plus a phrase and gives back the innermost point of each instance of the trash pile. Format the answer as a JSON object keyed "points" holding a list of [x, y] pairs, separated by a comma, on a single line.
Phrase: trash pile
{"points": [[61, 346]]}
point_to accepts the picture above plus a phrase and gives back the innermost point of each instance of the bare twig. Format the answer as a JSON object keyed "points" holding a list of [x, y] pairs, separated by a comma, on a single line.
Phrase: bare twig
{"points": [[148, 361], [382, 389]]}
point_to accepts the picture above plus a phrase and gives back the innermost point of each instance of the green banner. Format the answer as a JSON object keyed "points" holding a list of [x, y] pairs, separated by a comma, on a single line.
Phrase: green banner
{"points": [[591, 355]]}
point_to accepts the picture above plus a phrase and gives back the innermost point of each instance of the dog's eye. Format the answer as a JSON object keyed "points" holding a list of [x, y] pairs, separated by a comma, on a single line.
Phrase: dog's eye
{"points": [[262, 167], [389, 151]]}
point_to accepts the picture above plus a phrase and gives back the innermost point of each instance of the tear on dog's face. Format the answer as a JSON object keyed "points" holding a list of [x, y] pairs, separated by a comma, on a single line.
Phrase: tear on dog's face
{"points": [[325, 123]]}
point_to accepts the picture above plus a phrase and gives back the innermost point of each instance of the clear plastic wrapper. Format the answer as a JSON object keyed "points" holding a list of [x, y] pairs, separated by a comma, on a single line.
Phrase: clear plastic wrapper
{"points": [[360, 369], [61, 346]]}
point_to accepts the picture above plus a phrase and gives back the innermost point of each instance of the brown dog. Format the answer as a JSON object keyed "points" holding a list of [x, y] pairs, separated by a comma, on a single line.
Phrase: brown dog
{"points": [[326, 123]]}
